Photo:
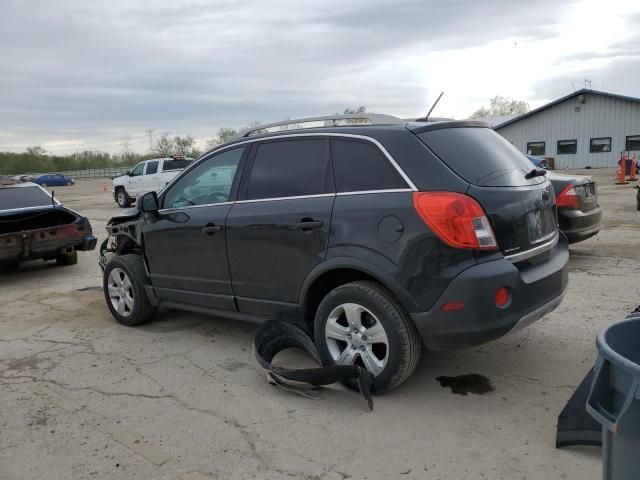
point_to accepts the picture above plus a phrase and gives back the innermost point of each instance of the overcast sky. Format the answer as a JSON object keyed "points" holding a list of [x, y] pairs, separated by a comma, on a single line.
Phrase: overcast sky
{"points": [[80, 74]]}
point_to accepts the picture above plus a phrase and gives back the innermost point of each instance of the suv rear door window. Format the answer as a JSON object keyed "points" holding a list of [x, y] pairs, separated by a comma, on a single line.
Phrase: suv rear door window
{"points": [[360, 166], [289, 168], [480, 156]]}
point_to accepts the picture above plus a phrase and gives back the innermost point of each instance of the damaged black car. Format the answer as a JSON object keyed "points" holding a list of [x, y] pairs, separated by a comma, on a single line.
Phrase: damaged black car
{"points": [[35, 225], [374, 239]]}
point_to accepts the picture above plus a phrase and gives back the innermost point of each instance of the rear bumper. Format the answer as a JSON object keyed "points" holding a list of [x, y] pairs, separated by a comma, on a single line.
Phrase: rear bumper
{"points": [[578, 225], [44, 243], [535, 291]]}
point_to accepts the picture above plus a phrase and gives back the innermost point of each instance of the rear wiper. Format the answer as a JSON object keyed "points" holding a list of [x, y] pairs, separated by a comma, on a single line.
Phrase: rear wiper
{"points": [[536, 172]]}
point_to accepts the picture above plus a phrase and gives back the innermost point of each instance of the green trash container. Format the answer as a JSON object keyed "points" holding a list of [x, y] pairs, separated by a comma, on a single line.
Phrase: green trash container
{"points": [[614, 399]]}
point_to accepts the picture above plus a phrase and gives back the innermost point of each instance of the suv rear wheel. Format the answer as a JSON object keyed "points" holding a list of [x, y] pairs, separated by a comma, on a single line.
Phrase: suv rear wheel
{"points": [[122, 198], [361, 323], [123, 284]]}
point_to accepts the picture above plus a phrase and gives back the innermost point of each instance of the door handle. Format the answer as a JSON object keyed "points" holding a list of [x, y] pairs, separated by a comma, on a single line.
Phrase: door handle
{"points": [[307, 225], [211, 229]]}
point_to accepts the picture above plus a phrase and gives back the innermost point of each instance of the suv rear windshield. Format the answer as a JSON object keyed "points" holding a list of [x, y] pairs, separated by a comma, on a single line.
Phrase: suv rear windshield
{"points": [[23, 197], [175, 164], [480, 156]]}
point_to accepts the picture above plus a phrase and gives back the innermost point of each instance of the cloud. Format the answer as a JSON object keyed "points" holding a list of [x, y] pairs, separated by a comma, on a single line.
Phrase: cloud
{"points": [[88, 72]]}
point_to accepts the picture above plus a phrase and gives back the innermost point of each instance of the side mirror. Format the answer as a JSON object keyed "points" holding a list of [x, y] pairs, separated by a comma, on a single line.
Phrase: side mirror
{"points": [[148, 203]]}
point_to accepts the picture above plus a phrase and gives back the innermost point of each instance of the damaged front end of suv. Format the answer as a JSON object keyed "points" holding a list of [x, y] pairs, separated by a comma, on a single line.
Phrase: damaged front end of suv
{"points": [[125, 236]]}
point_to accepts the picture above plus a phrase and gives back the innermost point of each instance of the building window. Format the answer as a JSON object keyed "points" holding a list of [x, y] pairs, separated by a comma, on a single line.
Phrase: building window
{"points": [[566, 147], [633, 142], [600, 145], [535, 148]]}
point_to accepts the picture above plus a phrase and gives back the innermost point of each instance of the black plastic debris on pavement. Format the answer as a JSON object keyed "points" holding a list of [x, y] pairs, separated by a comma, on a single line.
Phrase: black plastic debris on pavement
{"points": [[275, 336]]}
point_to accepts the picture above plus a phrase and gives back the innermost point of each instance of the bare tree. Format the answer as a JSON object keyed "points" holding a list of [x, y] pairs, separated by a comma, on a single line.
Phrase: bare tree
{"points": [[499, 106], [164, 146], [186, 146], [223, 135], [355, 111], [36, 151]]}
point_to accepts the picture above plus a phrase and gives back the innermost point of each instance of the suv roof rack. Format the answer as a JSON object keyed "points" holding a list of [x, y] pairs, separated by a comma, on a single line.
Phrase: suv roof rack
{"points": [[327, 120]]}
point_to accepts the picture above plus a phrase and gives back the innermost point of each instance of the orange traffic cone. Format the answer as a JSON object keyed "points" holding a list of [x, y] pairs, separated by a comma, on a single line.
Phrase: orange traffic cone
{"points": [[632, 174], [621, 178]]}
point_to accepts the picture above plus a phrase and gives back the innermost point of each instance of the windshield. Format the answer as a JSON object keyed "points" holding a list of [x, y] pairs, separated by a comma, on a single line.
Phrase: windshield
{"points": [[23, 197]]}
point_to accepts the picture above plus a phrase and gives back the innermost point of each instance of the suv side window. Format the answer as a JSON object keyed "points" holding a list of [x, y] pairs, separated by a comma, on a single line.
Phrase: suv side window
{"points": [[289, 168], [360, 166], [138, 170], [208, 183], [152, 167]]}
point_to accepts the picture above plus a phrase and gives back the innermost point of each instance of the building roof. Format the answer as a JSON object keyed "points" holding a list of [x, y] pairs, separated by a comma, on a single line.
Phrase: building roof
{"points": [[582, 91]]}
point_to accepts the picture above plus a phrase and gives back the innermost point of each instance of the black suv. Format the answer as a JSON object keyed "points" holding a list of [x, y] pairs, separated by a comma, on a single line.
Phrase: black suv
{"points": [[373, 238]]}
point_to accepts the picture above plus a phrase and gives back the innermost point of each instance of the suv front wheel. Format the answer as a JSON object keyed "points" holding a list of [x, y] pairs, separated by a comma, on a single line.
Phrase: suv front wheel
{"points": [[123, 284], [361, 323]]}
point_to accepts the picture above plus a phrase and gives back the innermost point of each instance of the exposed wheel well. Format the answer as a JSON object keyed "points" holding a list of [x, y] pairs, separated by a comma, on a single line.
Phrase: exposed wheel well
{"points": [[323, 285]]}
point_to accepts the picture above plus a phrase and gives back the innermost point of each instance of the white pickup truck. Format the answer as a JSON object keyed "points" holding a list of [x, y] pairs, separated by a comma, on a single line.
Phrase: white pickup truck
{"points": [[148, 176]]}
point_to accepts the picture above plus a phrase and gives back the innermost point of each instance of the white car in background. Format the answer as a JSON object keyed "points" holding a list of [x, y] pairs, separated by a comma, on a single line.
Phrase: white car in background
{"points": [[148, 176]]}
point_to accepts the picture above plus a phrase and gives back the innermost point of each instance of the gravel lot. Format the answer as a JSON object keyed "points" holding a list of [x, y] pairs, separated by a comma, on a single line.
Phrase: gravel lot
{"points": [[183, 398]]}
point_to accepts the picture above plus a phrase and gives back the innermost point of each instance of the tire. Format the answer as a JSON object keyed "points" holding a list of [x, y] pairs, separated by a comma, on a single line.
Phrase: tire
{"points": [[122, 198], [391, 363], [65, 260], [44, 185], [127, 300], [69, 184]]}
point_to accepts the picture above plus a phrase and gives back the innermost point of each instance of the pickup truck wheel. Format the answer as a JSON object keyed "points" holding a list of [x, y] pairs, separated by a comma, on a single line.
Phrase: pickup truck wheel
{"points": [[122, 198], [361, 323], [70, 259], [123, 284]]}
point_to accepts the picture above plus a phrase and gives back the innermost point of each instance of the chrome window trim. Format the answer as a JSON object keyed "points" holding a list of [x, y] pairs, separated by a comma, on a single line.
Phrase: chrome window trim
{"points": [[298, 197], [365, 192], [400, 171], [186, 207], [532, 252], [295, 197]]}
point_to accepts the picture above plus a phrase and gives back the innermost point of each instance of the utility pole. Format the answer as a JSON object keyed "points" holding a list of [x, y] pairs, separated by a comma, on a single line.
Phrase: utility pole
{"points": [[150, 133]]}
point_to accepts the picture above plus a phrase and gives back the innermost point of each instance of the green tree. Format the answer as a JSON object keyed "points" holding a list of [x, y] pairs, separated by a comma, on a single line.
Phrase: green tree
{"points": [[499, 106]]}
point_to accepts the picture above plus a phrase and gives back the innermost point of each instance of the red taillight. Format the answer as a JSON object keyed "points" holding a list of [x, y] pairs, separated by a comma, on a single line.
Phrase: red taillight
{"points": [[568, 198], [456, 218], [503, 295]]}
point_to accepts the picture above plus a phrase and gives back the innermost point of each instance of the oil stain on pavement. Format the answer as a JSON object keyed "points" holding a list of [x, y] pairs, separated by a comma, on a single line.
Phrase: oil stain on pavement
{"points": [[468, 383]]}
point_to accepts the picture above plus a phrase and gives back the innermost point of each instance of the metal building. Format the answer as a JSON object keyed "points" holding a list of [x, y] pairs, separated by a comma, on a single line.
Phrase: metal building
{"points": [[587, 128]]}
